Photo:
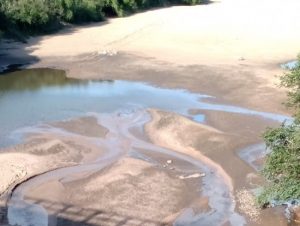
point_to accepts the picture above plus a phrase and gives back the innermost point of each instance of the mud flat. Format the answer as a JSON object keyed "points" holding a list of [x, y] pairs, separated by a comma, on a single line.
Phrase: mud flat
{"points": [[126, 153], [131, 179]]}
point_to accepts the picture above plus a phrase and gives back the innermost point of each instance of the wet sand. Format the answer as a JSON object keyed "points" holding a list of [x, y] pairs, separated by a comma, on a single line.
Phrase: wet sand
{"points": [[124, 189], [43, 152], [189, 175]]}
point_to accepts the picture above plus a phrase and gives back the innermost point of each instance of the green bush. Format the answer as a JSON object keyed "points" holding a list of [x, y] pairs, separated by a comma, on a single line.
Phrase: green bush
{"points": [[79, 11], [146, 4], [2, 26], [192, 2], [112, 8], [31, 15], [291, 80], [39, 16], [282, 166]]}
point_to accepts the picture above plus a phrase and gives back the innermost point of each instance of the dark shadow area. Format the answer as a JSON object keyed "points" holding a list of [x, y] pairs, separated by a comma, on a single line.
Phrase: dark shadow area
{"points": [[164, 6], [11, 68], [62, 214], [16, 55], [14, 58]]}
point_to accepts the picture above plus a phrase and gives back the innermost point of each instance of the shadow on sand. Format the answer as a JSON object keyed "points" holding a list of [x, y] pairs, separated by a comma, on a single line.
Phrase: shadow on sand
{"points": [[16, 55], [71, 215]]}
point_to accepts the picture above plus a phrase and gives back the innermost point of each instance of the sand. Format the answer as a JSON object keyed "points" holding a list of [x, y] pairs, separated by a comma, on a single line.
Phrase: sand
{"points": [[222, 32], [131, 191], [43, 152]]}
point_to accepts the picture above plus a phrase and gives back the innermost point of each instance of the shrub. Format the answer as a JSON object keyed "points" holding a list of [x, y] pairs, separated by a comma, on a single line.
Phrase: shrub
{"points": [[192, 2], [79, 11], [282, 166], [31, 15], [39, 16], [112, 8], [291, 80]]}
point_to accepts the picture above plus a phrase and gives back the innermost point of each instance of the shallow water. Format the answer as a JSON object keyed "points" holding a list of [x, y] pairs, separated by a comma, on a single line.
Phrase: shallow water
{"points": [[119, 126], [252, 153], [290, 65], [31, 97]]}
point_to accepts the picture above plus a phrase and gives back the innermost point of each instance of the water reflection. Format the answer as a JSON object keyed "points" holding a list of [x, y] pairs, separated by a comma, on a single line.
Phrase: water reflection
{"points": [[33, 79], [30, 97]]}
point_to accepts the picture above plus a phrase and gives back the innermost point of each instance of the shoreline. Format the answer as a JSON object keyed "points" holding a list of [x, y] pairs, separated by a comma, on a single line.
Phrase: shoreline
{"points": [[181, 47], [139, 143], [161, 132]]}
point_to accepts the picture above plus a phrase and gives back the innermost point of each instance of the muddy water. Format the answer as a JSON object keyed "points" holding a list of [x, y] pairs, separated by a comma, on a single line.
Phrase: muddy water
{"points": [[30, 98]]}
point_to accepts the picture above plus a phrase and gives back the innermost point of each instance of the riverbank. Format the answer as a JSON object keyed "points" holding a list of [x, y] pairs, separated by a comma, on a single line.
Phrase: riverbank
{"points": [[189, 47]]}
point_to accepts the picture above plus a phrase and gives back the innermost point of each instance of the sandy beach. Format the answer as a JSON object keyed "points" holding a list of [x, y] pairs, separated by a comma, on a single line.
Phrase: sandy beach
{"points": [[153, 166]]}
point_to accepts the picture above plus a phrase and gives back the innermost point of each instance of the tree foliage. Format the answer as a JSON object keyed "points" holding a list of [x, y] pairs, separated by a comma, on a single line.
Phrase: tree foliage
{"points": [[291, 80], [40, 16], [282, 167]]}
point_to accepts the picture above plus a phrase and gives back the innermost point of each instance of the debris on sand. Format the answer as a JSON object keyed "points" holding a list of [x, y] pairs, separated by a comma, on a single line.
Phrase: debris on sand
{"points": [[169, 161], [195, 175], [247, 204], [108, 52]]}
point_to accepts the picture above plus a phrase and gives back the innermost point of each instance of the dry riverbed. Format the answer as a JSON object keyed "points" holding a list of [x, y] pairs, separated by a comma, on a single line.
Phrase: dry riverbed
{"points": [[154, 166]]}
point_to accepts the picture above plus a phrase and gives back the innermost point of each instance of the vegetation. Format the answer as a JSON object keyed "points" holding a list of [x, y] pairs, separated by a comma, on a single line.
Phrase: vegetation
{"points": [[39, 16], [282, 167]]}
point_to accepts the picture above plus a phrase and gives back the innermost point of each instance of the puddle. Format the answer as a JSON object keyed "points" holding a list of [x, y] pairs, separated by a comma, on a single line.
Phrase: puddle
{"points": [[252, 154], [290, 65], [31, 97]]}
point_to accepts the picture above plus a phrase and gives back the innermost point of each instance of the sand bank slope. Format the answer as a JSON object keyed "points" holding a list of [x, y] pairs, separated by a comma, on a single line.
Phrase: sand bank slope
{"points": [[180, 134], [46, 151]]}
